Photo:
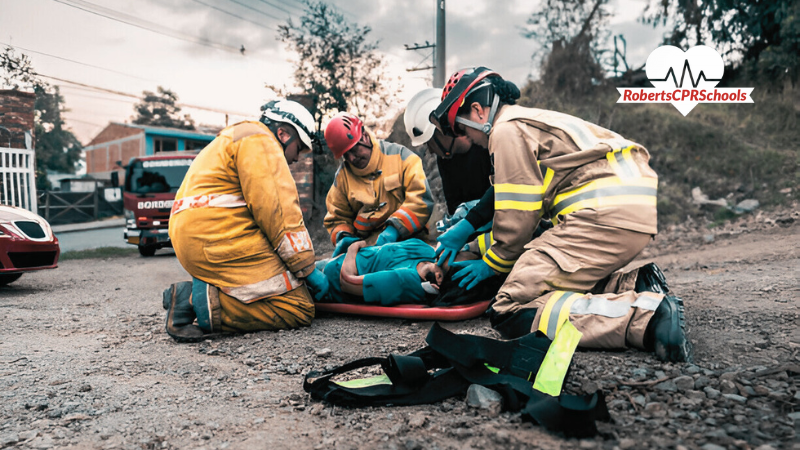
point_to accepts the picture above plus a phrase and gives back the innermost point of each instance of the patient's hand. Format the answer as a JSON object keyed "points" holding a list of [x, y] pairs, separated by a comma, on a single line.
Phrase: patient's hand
{"points": [[356, 246]]}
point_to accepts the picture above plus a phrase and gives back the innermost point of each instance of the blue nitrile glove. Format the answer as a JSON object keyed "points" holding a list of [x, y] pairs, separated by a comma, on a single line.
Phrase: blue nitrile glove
{"points": [[387, 236], [318, 284], [452, 241], [473, 272], [343, 244]]}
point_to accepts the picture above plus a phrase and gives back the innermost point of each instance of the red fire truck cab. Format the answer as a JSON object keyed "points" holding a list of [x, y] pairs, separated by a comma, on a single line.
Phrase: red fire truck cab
{"points": [[148, 193]]}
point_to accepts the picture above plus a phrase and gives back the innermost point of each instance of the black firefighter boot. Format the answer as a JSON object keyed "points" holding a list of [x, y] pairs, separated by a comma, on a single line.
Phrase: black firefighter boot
{"points": [[180, 313], [666, 332]]}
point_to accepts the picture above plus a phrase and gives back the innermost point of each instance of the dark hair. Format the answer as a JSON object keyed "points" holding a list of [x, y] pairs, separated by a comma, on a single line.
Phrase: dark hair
{"points": [[450, 294], [506, 90]]}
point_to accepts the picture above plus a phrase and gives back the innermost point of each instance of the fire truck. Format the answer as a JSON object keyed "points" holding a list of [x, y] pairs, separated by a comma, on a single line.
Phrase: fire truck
{"points": [[148, 193]]}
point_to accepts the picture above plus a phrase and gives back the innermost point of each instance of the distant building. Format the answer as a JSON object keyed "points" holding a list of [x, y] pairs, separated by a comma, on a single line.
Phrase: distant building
{"points": [[122, 141]]}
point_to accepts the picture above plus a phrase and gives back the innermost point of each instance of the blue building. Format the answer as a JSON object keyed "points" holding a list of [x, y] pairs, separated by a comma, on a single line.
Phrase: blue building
{"points": [[123, 141]]}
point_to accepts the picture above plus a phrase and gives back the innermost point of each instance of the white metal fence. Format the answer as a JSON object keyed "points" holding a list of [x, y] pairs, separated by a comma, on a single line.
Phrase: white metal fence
{"points": [[18, 178]]}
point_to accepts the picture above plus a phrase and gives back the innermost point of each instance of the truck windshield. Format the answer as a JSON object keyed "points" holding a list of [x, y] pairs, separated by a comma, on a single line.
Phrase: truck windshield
{"points": [[157, 176]]}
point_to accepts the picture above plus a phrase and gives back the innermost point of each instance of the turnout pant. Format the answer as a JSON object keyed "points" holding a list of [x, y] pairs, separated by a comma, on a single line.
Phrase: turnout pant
{"points": [[217, 311], [569, 273]]}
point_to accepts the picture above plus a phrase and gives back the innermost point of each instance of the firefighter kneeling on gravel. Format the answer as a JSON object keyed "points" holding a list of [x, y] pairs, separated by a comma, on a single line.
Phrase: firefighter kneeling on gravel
{"points": [[379, 194], [600, 193], [237, 228]]}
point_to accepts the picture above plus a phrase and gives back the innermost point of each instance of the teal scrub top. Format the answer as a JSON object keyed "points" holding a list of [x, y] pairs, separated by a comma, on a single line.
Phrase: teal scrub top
{"points": [[390, 273]]}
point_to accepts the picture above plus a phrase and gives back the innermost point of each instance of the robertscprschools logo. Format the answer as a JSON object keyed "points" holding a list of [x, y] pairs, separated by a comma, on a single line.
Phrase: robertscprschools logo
{"points": [[685, 79]]}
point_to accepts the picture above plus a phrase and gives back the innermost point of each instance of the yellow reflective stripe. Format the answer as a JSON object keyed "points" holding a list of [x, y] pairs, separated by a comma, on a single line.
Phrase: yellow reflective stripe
{"points": [[548, 178], [510, 188], [563, 314], [517, 205], [626, 154], [556, 361], [619, 200], [612, 161], [485, 242], [559, 313], [606, 182], [621, 161], [548, 308], [496, 263]]}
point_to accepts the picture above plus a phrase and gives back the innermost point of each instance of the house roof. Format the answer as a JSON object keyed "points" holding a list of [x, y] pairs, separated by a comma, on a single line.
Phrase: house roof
{"points": [[170, 132]]}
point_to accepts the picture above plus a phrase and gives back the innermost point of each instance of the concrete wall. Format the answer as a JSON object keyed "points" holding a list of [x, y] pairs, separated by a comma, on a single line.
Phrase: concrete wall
{"points": [[16, 114]]}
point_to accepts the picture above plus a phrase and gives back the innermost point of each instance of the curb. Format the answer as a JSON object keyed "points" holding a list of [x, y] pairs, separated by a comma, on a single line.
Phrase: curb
{"points": [[110, 223]]}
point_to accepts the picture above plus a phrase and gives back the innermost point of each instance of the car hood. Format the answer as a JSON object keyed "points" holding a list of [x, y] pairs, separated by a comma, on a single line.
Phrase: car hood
{"points": [[12, 213]]}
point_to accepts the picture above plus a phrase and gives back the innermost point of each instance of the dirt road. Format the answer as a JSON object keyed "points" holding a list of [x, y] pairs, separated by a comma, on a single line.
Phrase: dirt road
{"points": [[85, 363]]}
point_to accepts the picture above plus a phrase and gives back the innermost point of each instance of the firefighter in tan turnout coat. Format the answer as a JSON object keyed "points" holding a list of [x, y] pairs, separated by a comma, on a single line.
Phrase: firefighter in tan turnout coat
{"points": [[237, 228], [600, 193]]}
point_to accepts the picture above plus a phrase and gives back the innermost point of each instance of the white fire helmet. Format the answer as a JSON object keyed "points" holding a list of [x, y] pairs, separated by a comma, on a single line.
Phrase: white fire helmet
{"points": [[419, 108], [296, 115]]}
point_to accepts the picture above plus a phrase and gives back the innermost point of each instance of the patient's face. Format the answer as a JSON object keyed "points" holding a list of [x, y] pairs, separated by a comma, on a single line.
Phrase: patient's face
{"points": [[424, 268]]}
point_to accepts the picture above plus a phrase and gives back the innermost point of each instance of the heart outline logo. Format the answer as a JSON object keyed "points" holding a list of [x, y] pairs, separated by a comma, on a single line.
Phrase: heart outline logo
{"points": [[669, 67], [684, 79]]}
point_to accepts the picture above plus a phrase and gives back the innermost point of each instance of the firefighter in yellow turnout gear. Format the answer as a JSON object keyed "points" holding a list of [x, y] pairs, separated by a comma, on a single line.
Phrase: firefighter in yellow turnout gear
{"points": [[600, 193], [237, 228], [380, 192]]}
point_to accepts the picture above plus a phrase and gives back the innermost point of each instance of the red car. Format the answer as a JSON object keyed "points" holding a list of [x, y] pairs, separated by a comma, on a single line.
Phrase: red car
{"points": [[26, 243]]}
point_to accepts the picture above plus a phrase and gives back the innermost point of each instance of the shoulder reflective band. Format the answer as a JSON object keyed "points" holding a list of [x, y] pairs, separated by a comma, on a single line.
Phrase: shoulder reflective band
{"points": [[621, 161], [610, 191], [556, 362], [522, 197], [556, 312]]}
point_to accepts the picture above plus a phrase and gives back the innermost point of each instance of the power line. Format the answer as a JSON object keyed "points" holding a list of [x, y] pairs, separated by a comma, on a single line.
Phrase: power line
{"points": [[145, 25], [76, 62], [259, 11], [289, 4], [69, 119], [232, 14], [120, 100], [138, 97]]}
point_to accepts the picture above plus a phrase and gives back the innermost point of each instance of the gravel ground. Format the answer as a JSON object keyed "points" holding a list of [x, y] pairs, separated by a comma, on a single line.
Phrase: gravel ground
{"points": [[85, 363]]}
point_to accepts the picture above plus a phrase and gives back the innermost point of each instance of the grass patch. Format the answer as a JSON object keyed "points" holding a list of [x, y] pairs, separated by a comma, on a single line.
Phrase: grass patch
{"points": [[97, 253]]}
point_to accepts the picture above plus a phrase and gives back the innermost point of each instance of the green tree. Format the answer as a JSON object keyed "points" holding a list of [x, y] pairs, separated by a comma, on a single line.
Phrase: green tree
{"points": [[160, 109], [572, 35], [17, 71], [763, 37], [57, 149], [337, 65]]}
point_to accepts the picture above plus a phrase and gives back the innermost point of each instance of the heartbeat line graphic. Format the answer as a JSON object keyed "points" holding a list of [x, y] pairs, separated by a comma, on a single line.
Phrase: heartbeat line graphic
{"points": [[686, 68]]}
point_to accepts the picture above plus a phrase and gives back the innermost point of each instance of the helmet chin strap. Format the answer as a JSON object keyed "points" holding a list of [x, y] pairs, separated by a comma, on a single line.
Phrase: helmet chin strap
{"points": [[485, 127], [274, 128]]}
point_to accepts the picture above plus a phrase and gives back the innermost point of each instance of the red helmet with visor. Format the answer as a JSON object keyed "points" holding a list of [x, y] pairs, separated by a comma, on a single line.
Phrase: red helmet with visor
{"points": [[455, 91]]}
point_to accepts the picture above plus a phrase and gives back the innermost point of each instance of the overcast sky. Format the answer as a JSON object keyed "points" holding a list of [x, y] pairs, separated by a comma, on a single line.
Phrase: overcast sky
{"points": [[124, 58]]}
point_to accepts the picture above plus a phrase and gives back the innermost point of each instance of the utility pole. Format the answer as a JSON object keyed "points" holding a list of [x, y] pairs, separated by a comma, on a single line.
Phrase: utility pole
{"points": [[438, 53], [439, 69]]}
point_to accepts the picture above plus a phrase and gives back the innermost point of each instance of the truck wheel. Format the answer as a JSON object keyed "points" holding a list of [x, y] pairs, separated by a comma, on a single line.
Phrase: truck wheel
{"points": [[147, 250], [9, 278]]}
